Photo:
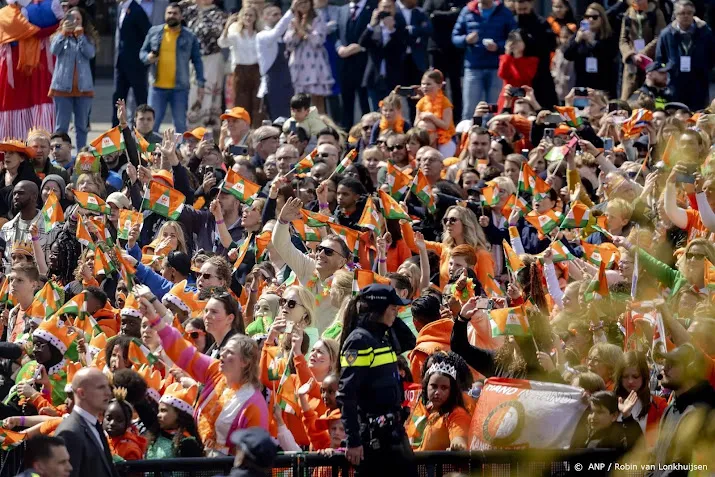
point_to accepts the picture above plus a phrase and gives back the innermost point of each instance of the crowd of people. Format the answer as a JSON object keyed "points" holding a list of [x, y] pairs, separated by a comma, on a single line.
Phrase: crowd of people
{"points": [[281, 276]]}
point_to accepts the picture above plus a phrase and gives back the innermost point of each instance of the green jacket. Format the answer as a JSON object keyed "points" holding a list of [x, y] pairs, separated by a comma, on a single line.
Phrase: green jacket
{"points": [[666, 275]]}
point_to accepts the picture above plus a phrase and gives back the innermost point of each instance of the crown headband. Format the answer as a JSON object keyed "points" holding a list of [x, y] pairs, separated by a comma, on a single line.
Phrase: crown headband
{"points": [[443, 368]]}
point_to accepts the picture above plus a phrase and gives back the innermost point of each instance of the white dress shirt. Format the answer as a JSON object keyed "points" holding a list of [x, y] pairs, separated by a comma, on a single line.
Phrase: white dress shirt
{"points": [[242, 46], [92, 421], [267, 47]]}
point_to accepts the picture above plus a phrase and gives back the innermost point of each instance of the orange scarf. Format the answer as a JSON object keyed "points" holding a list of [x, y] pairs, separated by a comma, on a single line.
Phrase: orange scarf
{"points": [[398, 127], [436, 106], [15, 27]]}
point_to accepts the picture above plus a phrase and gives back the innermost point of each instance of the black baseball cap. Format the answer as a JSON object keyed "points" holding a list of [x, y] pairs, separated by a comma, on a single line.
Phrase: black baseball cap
{"points": [[656, 66], [382, 295]]}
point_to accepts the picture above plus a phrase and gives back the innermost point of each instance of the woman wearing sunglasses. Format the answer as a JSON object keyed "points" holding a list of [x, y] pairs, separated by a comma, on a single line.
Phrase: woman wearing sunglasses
{"points": [[195, 332], [460, 227], [230, 398], [316, 273]]}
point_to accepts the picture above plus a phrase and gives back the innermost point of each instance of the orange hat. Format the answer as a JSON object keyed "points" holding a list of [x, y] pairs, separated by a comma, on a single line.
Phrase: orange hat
{"points": [[13, 145], [72, 369], [197, 134], [323, 421], [180, 398], [237, 113], [157, 251], [36, 312], [152, 377], [54, 331], [182, 298], [131, 307], [95, 350], [149, 259], [164, 175]]}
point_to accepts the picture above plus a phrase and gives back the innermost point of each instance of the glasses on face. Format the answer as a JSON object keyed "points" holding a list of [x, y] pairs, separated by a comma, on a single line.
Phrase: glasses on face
{"points": [[290, 304], [194, 335], [329, 252], [593, 359], [592, 17], [380, 142], [397, 147], [694, 256], [324, 155], [206, 276], [450, 220]]}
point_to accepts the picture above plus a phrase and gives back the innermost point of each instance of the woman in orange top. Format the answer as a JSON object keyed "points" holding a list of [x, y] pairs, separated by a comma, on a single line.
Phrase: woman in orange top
{"points": [[561, 16], [436, 108], [448, 421], [460, 227], [633, 375]]}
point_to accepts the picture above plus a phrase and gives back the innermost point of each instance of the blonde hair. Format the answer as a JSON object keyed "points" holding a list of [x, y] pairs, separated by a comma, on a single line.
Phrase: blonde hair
{"points": [[590, 382], [180, 239], [80, 262], [247, 349], [605, 31], [621, 207], [256, 22], [610, 355], [307, 299], [343, 281], [708, 248], [333, 348], [393, 101], [473, 233], [96, 180], [506, 184]]}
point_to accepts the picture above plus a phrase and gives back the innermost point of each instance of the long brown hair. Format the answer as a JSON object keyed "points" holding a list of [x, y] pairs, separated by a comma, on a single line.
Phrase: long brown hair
{"points": [[89, 30], [606, 31], [634, 359]]}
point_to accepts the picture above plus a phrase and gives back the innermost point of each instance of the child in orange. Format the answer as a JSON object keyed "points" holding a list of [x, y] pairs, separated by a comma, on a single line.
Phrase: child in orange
{"points": [[447, 425], [124, 440], [435, 108]]}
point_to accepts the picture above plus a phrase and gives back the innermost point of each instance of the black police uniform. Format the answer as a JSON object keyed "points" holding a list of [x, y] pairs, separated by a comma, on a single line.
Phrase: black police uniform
{"points": [[370, 396]]}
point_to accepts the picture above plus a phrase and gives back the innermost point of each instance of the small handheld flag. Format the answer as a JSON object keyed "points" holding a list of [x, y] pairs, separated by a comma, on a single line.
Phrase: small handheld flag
{"points": [[240, 187], [52, 213], [163, 200]]}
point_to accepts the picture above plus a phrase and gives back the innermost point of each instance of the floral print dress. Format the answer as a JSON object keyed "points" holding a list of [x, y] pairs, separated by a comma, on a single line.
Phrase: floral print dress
{"points": [[308, 63]]}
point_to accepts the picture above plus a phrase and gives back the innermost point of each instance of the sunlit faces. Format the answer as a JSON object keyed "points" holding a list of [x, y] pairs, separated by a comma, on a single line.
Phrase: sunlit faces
{"points": [[251, 217], [116, 359], [149, 335], [479, 145], [693, 264], [216, 320], [319, 359], [232, 364], [12, 161], [41, 147], [542, 204], [115, 421], [438, 389], [511, 170], [196, 335], [431, 164], [291, 307], [330, 256], [21, 287], [453, 224], [208, 277], [168, 417], [457, 264], [429, 86], [631, 380], [469, 180], [51, 186]]}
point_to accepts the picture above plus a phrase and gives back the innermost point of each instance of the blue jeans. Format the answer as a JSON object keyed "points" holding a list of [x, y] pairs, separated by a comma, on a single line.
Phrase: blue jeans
{"points": [[160, 98], [64, 108], [479, 85]]}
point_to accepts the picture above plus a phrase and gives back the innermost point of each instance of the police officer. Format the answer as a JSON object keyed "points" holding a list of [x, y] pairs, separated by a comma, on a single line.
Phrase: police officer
{"points": [[655, 86], [370, 392]]}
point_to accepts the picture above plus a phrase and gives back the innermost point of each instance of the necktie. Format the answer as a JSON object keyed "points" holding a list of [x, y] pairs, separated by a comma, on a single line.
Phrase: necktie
{"points": [[105, 443]]}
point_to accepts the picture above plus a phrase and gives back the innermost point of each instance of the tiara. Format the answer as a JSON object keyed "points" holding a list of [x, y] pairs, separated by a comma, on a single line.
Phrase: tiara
{"points": [[443, 368]]}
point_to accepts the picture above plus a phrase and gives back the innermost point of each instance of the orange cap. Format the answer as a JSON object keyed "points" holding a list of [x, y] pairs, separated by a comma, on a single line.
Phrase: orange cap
{"points": [[237, 113], [164, 175], [197, 133]]}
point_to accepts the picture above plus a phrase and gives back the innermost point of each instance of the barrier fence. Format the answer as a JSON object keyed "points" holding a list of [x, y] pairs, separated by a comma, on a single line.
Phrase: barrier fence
{"points": [[521, 463]]}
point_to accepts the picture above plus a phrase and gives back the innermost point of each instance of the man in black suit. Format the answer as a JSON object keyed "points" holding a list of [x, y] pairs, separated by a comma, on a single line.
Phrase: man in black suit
{"points": [[82, 432], [352, 21], [129, 71], [419, 30]]}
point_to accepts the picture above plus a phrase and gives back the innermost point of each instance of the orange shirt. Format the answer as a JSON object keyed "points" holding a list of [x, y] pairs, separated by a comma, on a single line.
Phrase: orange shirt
{"points": [[695, 227], [485, 262], [128, 446], [397, 255], [441, 429], [436, 106]]}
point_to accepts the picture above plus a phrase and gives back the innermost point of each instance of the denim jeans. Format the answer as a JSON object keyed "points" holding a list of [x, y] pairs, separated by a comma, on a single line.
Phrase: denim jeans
{"points": [[479, 85], [160, 98], [80, 106]]}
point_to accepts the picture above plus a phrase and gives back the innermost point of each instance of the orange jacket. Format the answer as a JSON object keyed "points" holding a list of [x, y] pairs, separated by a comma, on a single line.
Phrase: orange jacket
{"points": [[433, 337], [128, 446]]}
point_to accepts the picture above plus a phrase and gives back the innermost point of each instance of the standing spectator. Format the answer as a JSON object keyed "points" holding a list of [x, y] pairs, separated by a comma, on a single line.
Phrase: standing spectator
{"points": [[515, 69], [129, 72], [385, 43], [72, 87], [239, 36], [482, 29], [419, 30], [562, 70], [330, 15], [309, 66], [353, 20], [276, 86], [155, 10], [686, 45], [541, 42], [206, 21], [168, 48], [561, 16], [642, 24], [444, 56], [592, 50]]}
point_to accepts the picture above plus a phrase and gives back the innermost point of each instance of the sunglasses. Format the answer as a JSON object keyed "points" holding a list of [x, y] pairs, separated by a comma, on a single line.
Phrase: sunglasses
{"points": [[290, 304], [592, 17], [398, 147], [327, 251], [450, 220], [194, 335], [324, 155], [205, 276]]}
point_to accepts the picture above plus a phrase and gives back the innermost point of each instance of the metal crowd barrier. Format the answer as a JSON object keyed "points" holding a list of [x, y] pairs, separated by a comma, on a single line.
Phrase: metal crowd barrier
{"points": [[518, 463]]}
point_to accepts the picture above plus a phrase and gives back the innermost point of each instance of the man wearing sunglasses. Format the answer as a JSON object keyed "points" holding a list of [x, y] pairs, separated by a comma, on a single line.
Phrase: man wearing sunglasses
{"points": [[328, 154], [332, 255]]}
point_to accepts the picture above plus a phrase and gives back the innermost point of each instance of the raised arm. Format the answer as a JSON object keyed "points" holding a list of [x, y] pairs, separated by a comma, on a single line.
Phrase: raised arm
{"points": [[677, 215]]}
